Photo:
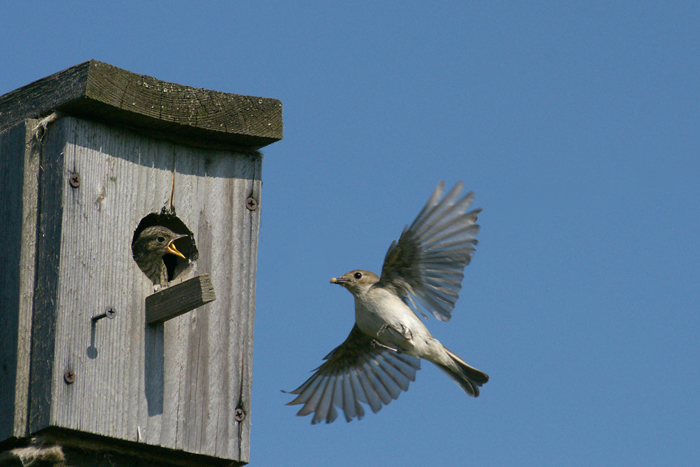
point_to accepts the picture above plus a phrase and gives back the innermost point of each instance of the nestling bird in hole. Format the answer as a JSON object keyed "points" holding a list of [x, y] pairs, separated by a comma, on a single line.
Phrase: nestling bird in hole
{"points": [[380, 357], [149, 248]]}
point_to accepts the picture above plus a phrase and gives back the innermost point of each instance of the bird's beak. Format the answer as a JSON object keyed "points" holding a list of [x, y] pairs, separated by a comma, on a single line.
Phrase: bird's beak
{"points": [[340, 281], [171, 248]]}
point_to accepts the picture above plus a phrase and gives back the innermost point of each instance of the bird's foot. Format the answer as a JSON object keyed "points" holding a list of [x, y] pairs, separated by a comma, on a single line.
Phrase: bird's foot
{"points": [[376, 343], [402, 331]]}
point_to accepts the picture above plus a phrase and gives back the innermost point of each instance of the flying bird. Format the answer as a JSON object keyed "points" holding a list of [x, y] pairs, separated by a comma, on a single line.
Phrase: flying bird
{"points": [[423, 271], [149, 248]]}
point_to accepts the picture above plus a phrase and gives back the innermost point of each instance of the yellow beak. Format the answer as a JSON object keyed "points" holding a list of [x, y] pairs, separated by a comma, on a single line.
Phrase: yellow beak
{"points": [[171, 249]]}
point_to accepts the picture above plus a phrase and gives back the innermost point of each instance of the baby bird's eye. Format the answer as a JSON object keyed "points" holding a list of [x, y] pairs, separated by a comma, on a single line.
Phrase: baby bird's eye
{"points": [[358, 275], [160, 239]]}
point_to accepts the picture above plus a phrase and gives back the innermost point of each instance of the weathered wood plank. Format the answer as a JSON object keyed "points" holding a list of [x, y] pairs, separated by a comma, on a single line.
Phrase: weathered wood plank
{"points": [[12, 169], [30, 212], [176, 384], [99, 91], [178, 299], [19, 164], [45, 370], [59, 447], [43, 96]]}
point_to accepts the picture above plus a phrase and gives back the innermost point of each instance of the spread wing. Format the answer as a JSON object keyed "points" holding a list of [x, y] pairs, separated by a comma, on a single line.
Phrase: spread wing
{"points": [[427, 263], [356, 371]]}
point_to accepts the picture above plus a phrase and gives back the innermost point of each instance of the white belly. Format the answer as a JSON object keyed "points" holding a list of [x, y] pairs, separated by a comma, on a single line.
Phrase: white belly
{"points": [[379, 309]]}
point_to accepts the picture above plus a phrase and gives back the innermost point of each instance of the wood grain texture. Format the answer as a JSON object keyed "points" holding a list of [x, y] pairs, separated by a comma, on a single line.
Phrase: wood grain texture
{"points": [[178, 299], [199, 117], [45, 313], [177, 383], [60, 447], [19, 164]]}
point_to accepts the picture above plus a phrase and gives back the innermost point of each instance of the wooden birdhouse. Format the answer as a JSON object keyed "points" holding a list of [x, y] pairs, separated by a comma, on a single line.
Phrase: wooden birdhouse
{"points": [[94, 356]]}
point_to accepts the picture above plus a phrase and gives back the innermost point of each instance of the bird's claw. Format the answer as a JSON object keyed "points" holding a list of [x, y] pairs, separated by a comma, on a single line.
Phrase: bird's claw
{"points": [[403, 333]]}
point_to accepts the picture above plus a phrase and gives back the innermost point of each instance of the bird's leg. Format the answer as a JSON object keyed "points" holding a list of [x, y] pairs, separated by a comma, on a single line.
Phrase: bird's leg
{"points": [[402, 332], [406, 333], [376, 343]]}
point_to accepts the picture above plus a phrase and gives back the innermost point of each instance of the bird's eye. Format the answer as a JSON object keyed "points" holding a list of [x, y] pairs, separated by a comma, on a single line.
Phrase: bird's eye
{"points": [[160, 239], [358, 275]]}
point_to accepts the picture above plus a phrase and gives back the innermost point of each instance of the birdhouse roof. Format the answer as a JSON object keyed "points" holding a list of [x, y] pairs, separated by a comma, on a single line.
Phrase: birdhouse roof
{"points": [[195, 116]]}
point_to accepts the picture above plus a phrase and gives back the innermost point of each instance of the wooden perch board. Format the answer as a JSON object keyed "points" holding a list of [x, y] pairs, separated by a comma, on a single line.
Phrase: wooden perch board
{"points": [[178, 299]]}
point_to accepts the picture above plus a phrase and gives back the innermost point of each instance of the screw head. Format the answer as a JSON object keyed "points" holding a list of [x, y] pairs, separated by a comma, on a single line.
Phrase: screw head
{"points": [[239, 414], [111, 313], [69, 377], [75, 180], [251, 204]]}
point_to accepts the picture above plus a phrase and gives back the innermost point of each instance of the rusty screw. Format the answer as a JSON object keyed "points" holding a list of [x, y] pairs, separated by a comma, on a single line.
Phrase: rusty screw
{"points": [[69, 377], [251, 204], [239, 414], [75, 179]]}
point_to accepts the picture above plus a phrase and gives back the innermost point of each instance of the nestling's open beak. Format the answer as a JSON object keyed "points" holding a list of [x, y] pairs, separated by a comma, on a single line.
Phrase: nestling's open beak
{"points": [[171, 248]]}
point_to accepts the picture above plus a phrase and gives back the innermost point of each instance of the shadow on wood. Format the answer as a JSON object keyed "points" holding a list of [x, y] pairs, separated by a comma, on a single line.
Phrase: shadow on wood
{"points": [[154, 368]]}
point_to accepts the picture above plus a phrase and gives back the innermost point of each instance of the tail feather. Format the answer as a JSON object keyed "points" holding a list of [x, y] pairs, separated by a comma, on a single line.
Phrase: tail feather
{"points": [[468, 377]]}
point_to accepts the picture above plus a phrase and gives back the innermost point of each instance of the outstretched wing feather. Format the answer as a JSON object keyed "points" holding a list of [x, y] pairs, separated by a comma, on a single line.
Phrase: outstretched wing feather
{"points": [[426, 264], [355, 372]]}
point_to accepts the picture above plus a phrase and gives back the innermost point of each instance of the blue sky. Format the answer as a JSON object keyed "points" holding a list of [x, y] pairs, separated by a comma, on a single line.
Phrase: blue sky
{"points": [[576, 124]]}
